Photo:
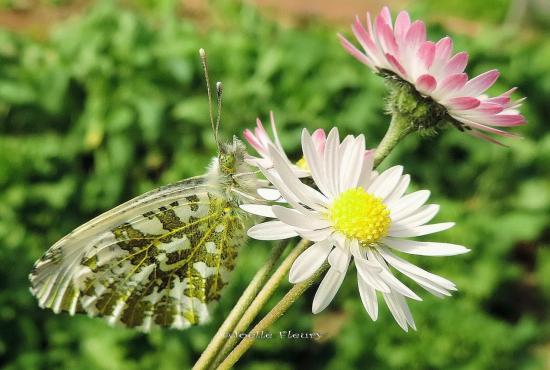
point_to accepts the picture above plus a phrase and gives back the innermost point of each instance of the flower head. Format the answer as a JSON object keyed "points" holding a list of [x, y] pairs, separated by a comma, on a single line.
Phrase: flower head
{"points": [[260, 141], [351, 211], [401, 52]]}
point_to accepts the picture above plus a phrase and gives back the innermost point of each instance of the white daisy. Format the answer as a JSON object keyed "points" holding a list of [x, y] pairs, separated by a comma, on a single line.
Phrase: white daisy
{"points": [[354, 212]]}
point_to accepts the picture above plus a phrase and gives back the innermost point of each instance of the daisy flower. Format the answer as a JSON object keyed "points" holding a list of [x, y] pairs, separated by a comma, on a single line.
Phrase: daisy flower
{"points": [[260, 141], [351, 212], [401, 51]]}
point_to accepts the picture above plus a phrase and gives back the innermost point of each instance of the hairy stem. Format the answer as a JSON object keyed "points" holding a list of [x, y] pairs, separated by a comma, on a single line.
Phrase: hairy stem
{"points": [[290, 297], [398, 129], [236, 313], [263, 296]]}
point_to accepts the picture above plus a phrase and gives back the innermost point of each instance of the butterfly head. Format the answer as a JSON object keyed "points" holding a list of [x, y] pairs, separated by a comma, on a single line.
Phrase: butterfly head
{"points": [[231, 157]]}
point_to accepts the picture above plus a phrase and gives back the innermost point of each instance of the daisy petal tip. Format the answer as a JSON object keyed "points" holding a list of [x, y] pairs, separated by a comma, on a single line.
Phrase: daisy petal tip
{"points": [[315, 308], [458, 250], [293, 279]]}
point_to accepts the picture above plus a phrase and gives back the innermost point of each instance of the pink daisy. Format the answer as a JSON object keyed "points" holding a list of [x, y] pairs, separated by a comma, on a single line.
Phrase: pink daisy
{"points": [[401, 51]]}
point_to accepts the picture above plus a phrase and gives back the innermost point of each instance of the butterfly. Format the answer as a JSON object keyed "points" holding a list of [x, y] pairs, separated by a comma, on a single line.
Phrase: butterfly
{"points": [[158, 260]]}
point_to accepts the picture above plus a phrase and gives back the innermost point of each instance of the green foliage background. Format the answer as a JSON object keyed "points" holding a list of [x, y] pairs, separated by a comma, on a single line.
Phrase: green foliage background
{"points": [[111, 104]]}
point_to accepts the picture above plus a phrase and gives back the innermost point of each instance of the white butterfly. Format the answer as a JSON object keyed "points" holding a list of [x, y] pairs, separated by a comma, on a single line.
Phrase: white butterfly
{"points": [[159, 259]]}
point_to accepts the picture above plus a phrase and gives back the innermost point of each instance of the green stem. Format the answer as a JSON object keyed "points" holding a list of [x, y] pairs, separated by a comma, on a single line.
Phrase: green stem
{"points": [[399, 128], [263, 296], [243, 303], [280, 308]]}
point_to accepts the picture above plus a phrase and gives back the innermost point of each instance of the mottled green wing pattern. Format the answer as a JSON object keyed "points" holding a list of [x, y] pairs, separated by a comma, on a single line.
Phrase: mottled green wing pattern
{"points": [[162, 266]]}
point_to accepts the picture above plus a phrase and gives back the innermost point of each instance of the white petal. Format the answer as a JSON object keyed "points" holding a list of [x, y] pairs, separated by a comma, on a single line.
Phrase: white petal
{"points": [[269, 194], [271, 230], [369, 272], [331, 162], [340, 240], [409, 232], [386, 182], [400, 310], [274, 131], [286, 193], [422, 216], [351, 163], [425, 248], [368, 297], [315, 235], [439, 293], [293, 183], [258, 209], [408, 204], [399, 190], [299, 220], [422, 277], [315, 162], [366, 171], [390, 279], [327, 289], [344, 151], [309, 261], [257, 162], [339, 259]]}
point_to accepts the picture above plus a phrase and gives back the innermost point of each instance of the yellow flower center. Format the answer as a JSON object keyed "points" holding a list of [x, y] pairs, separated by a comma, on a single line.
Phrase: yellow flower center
{"points": [[360, 215], [302, 163]]}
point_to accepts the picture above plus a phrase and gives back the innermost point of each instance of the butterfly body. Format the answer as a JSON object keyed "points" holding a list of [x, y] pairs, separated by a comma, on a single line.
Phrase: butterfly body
{"points": [[158, 260]]}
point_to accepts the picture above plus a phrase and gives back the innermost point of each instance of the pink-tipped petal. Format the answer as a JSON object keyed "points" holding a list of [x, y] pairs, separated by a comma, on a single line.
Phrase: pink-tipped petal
{"points": [[510, 92], [483, 127], [452, 83], [426, 83], [366, 40], [353, 51], [506, 120], [516, 103], [319, 138], [443, 49], [478, 85], [457, 63], [369, 24], [261, 135], [249, 136], [489, 108], [481, 135], [500, 100], [416, 34], [402, 24], [464, 103], [385, 15], [426, 53], [395, 64], [387, 39]]}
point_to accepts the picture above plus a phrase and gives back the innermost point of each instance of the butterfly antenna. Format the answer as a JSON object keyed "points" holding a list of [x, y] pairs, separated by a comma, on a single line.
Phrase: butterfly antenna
{"points": [[219, 91], [204, 63]]}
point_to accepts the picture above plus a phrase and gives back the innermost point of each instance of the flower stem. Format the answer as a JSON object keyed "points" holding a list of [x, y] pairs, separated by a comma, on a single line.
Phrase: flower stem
{"points": [[399, 128], [277, 311], [243, 303], [261, 299]]}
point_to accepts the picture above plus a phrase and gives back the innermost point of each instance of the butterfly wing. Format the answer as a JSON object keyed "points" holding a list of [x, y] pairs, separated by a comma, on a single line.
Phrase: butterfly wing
{"points": [[156, 260]]}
